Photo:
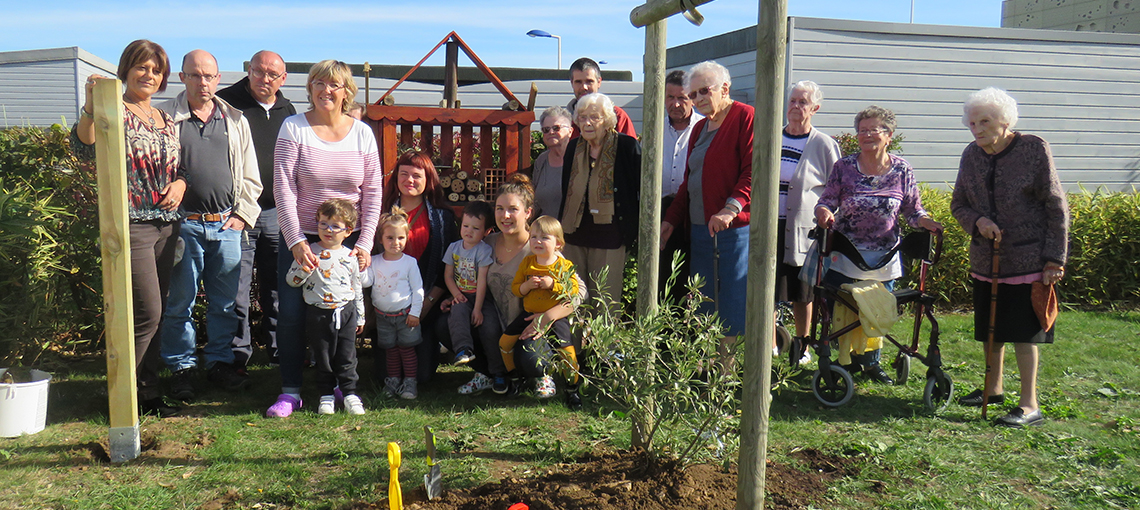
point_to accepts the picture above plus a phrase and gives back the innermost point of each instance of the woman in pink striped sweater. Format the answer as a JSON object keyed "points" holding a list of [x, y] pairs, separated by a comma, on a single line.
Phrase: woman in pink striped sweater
{"points": [[320, 154]]}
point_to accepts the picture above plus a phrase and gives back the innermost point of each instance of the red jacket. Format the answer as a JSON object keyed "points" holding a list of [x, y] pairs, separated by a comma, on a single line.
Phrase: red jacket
{"points": [[727, 171]]}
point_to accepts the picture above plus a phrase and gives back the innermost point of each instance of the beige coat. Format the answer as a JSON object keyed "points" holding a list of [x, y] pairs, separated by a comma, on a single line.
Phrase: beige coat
{"points": [[243, 158]]}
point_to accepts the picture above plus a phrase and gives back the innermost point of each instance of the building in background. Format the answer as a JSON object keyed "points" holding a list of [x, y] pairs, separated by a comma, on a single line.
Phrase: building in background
{"points": [[41, 87], [45, 87], [1075, 89], [1078, 15]]}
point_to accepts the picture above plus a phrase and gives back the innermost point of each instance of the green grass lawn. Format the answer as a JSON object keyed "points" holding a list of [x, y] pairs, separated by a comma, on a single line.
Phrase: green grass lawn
{"points": [[1087, 455]]}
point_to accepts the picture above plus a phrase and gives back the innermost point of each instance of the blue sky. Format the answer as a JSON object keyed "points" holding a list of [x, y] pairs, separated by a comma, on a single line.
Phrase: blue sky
{"points": [[401, 31]]}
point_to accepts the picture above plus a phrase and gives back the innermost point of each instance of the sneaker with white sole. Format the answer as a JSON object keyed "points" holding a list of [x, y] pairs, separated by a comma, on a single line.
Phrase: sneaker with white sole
{"points": [[477, 384], [544, 387], [327, 405], [393, 386], [806, 358], [353, 405], [409, 390]]}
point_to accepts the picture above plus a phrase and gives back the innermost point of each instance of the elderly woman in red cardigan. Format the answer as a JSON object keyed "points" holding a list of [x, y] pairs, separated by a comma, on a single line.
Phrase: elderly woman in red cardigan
{"points": [[713, 199]]}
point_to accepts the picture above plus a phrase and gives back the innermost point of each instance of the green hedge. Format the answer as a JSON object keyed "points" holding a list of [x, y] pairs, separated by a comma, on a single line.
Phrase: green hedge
{"points": [[49, 254], [1104, 251]]}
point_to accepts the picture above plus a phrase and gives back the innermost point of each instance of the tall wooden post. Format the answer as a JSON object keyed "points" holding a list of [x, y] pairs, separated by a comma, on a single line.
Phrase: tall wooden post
{"points": [[652, 136], [771, 40], [451, 75], [115, 245]]}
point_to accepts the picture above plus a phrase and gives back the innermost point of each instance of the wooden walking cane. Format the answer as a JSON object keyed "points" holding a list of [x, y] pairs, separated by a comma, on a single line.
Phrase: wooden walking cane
{"points": [[993, 321]]}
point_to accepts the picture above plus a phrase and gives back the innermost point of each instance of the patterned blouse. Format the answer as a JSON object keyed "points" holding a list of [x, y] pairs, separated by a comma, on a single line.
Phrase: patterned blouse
{"points": [[152, 163], [867, 207]]}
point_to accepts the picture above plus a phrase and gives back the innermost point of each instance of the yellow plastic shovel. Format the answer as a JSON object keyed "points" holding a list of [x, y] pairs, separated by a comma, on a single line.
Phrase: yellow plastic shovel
{"points": [[395, 498]]}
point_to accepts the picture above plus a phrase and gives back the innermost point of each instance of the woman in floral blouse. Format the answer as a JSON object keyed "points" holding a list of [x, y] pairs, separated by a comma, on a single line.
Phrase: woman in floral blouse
{"points": [[862, 200], [155, 188]]}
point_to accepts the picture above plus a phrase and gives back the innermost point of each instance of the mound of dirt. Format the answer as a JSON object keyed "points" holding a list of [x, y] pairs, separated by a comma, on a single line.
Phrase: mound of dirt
{"points": [[628, 480]]}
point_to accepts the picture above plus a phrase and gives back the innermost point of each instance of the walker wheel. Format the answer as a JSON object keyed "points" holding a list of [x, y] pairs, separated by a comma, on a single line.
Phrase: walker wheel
{"points": [[836, 394], [939, 391], [902, 368], [784, 340]]}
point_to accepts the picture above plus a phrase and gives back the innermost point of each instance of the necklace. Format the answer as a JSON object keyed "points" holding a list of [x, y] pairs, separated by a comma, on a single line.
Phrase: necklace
{"points": [[508, 253], [149, 115]]}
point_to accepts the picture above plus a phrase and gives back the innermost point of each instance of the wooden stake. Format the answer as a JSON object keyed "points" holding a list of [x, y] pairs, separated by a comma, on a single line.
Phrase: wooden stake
{"points": [[115, 244], [652, 146], [771, 42]]}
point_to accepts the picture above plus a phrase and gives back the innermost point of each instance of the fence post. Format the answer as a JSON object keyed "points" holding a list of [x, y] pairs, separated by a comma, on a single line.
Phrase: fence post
{"points": [[115, 245], [771, 40]]}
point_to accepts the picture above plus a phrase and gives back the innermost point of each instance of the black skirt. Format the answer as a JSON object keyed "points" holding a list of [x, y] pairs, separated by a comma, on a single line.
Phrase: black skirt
{"points": [[1016, 321]]}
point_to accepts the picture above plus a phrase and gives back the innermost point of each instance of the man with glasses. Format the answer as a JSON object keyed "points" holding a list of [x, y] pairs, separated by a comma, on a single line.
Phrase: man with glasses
{"points": [[259, 97], [220, 165], [586, 78]]}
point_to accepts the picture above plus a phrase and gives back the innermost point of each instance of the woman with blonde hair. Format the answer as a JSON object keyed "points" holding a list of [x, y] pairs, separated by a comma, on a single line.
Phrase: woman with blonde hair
{"points": [[320, 155]]}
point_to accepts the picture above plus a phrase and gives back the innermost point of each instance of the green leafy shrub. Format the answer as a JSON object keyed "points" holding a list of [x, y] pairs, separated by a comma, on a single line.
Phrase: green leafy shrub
{"points": [[1104, 245], [49, 252], [661, 372]]}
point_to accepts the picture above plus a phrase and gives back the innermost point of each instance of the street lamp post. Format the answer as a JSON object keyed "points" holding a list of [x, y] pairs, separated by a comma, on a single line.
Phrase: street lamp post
{"points": [[543, 33]]}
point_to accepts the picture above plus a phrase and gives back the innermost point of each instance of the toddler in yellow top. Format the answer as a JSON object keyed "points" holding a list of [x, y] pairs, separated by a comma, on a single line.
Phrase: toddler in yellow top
{"points": [[540, 283]]}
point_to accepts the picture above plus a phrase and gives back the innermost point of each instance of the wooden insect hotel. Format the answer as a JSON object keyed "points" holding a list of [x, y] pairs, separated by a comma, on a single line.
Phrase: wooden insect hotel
{"points": [[473, 149]]}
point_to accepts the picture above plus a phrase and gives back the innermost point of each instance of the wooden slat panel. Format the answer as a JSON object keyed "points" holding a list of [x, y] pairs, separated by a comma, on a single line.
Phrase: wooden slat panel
{"points": [[388, 147], [446, 144], [427, 132], [509, 149], [418, 115], [406, 135], [524, 148], [486, 158], [466, 148]]}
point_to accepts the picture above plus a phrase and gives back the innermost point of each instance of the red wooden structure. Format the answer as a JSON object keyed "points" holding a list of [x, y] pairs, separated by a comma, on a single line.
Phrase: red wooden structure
{"points": [[465, 162]]}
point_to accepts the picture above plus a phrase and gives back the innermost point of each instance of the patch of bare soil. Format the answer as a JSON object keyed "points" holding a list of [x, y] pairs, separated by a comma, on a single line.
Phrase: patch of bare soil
{"points": [[634, 480]]}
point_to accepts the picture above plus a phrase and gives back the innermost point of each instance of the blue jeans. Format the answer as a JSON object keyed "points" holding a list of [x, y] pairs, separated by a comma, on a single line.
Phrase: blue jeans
{"points": [[213, 256], [261, 249]]}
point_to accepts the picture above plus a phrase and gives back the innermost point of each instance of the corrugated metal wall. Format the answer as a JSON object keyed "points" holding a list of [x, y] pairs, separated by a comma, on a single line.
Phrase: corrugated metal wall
{"points": [[37, 93], [1076, 90]]}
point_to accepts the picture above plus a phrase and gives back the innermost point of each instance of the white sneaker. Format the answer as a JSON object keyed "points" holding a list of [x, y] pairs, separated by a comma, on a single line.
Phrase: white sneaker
{"points": [[806, 358], [477, 384], [353, 405], [327, 405]]}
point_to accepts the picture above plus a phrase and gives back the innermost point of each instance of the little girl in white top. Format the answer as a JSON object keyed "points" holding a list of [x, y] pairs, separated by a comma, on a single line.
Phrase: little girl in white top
{"points": [[398, 296]]}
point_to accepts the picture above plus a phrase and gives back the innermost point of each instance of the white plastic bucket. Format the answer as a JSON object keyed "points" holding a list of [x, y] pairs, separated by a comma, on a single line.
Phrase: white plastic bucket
{"points": [[23, 406]]}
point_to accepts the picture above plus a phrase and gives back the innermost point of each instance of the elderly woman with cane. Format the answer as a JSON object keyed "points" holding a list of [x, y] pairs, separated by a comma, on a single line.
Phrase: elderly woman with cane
{"points": [[715, 195], [1009, 198]]}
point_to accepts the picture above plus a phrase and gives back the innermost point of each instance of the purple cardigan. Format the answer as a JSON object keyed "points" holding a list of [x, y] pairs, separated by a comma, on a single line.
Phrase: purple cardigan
{"points": [[1018, 189], [866, 207]]}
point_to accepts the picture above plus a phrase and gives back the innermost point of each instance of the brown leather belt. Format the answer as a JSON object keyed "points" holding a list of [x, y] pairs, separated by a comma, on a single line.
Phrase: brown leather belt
{"points": [[219, 217]]}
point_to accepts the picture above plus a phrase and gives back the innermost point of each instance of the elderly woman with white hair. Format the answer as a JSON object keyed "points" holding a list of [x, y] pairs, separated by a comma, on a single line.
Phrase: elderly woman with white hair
{"points": [[806, 159], [556, 123], [714, 198], [1008, 191], [601, 177]]}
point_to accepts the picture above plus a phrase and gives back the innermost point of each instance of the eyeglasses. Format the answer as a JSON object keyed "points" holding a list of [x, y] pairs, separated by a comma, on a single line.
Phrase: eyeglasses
{"points": [[873, 132], [205, 77], [548, 130], [800, 103], [332, 87], [704, 91], [595, 118], [259, 74], [331, 229]]}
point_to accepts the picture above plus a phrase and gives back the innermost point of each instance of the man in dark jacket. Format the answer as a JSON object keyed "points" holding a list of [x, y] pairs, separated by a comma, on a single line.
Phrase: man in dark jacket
{"points": [[259, 98]]}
